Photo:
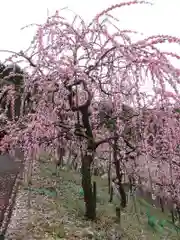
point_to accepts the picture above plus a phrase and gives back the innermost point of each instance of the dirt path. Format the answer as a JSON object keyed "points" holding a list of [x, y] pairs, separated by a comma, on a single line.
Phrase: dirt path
{"points": [[17, 228], [19, 217]]}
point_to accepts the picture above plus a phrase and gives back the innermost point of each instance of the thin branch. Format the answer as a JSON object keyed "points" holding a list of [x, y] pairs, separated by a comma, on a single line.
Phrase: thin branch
{"points": [[92, 67], [106, 140]]}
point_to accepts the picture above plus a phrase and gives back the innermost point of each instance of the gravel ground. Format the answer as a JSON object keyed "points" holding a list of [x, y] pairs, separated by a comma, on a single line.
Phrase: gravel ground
{"points": [[17, 228], [19, 217]]}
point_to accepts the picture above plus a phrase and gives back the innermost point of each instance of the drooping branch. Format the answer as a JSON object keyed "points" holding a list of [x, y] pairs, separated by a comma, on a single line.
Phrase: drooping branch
{"points": [[106, 140], [92, 67], [96, 143]]}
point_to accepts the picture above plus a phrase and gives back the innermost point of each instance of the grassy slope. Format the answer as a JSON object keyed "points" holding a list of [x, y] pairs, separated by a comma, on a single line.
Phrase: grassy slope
{"points": [[61, 217]]}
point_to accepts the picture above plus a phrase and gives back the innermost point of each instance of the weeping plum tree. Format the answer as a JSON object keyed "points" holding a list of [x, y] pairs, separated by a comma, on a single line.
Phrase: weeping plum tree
{"points": [[76, 65]]}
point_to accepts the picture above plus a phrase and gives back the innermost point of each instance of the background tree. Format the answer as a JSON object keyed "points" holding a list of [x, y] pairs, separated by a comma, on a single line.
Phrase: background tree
{"points": [[12, 79]]}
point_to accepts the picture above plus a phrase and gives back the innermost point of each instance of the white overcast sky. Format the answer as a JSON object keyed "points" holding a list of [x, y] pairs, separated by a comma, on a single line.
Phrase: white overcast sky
{"points": [[161, 18]]}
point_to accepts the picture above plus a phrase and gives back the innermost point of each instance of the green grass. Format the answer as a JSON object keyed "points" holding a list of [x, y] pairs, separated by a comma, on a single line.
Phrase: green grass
{"points": [[62, 216]]}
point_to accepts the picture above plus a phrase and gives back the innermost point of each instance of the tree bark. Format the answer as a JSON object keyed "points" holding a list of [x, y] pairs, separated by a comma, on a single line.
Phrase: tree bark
{"points": [[118, 172], [89, 198]]}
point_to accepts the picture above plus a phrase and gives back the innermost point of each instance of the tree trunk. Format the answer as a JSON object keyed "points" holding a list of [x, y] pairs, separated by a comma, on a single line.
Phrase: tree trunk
{"points": [[118, 173], [109, 173], [60, 154], [172, 216], [90, 203], [111, 195], [161, 204]]}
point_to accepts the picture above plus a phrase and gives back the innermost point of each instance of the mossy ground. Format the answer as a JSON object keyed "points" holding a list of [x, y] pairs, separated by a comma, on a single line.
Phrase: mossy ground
{"points": [[61, 216]]}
